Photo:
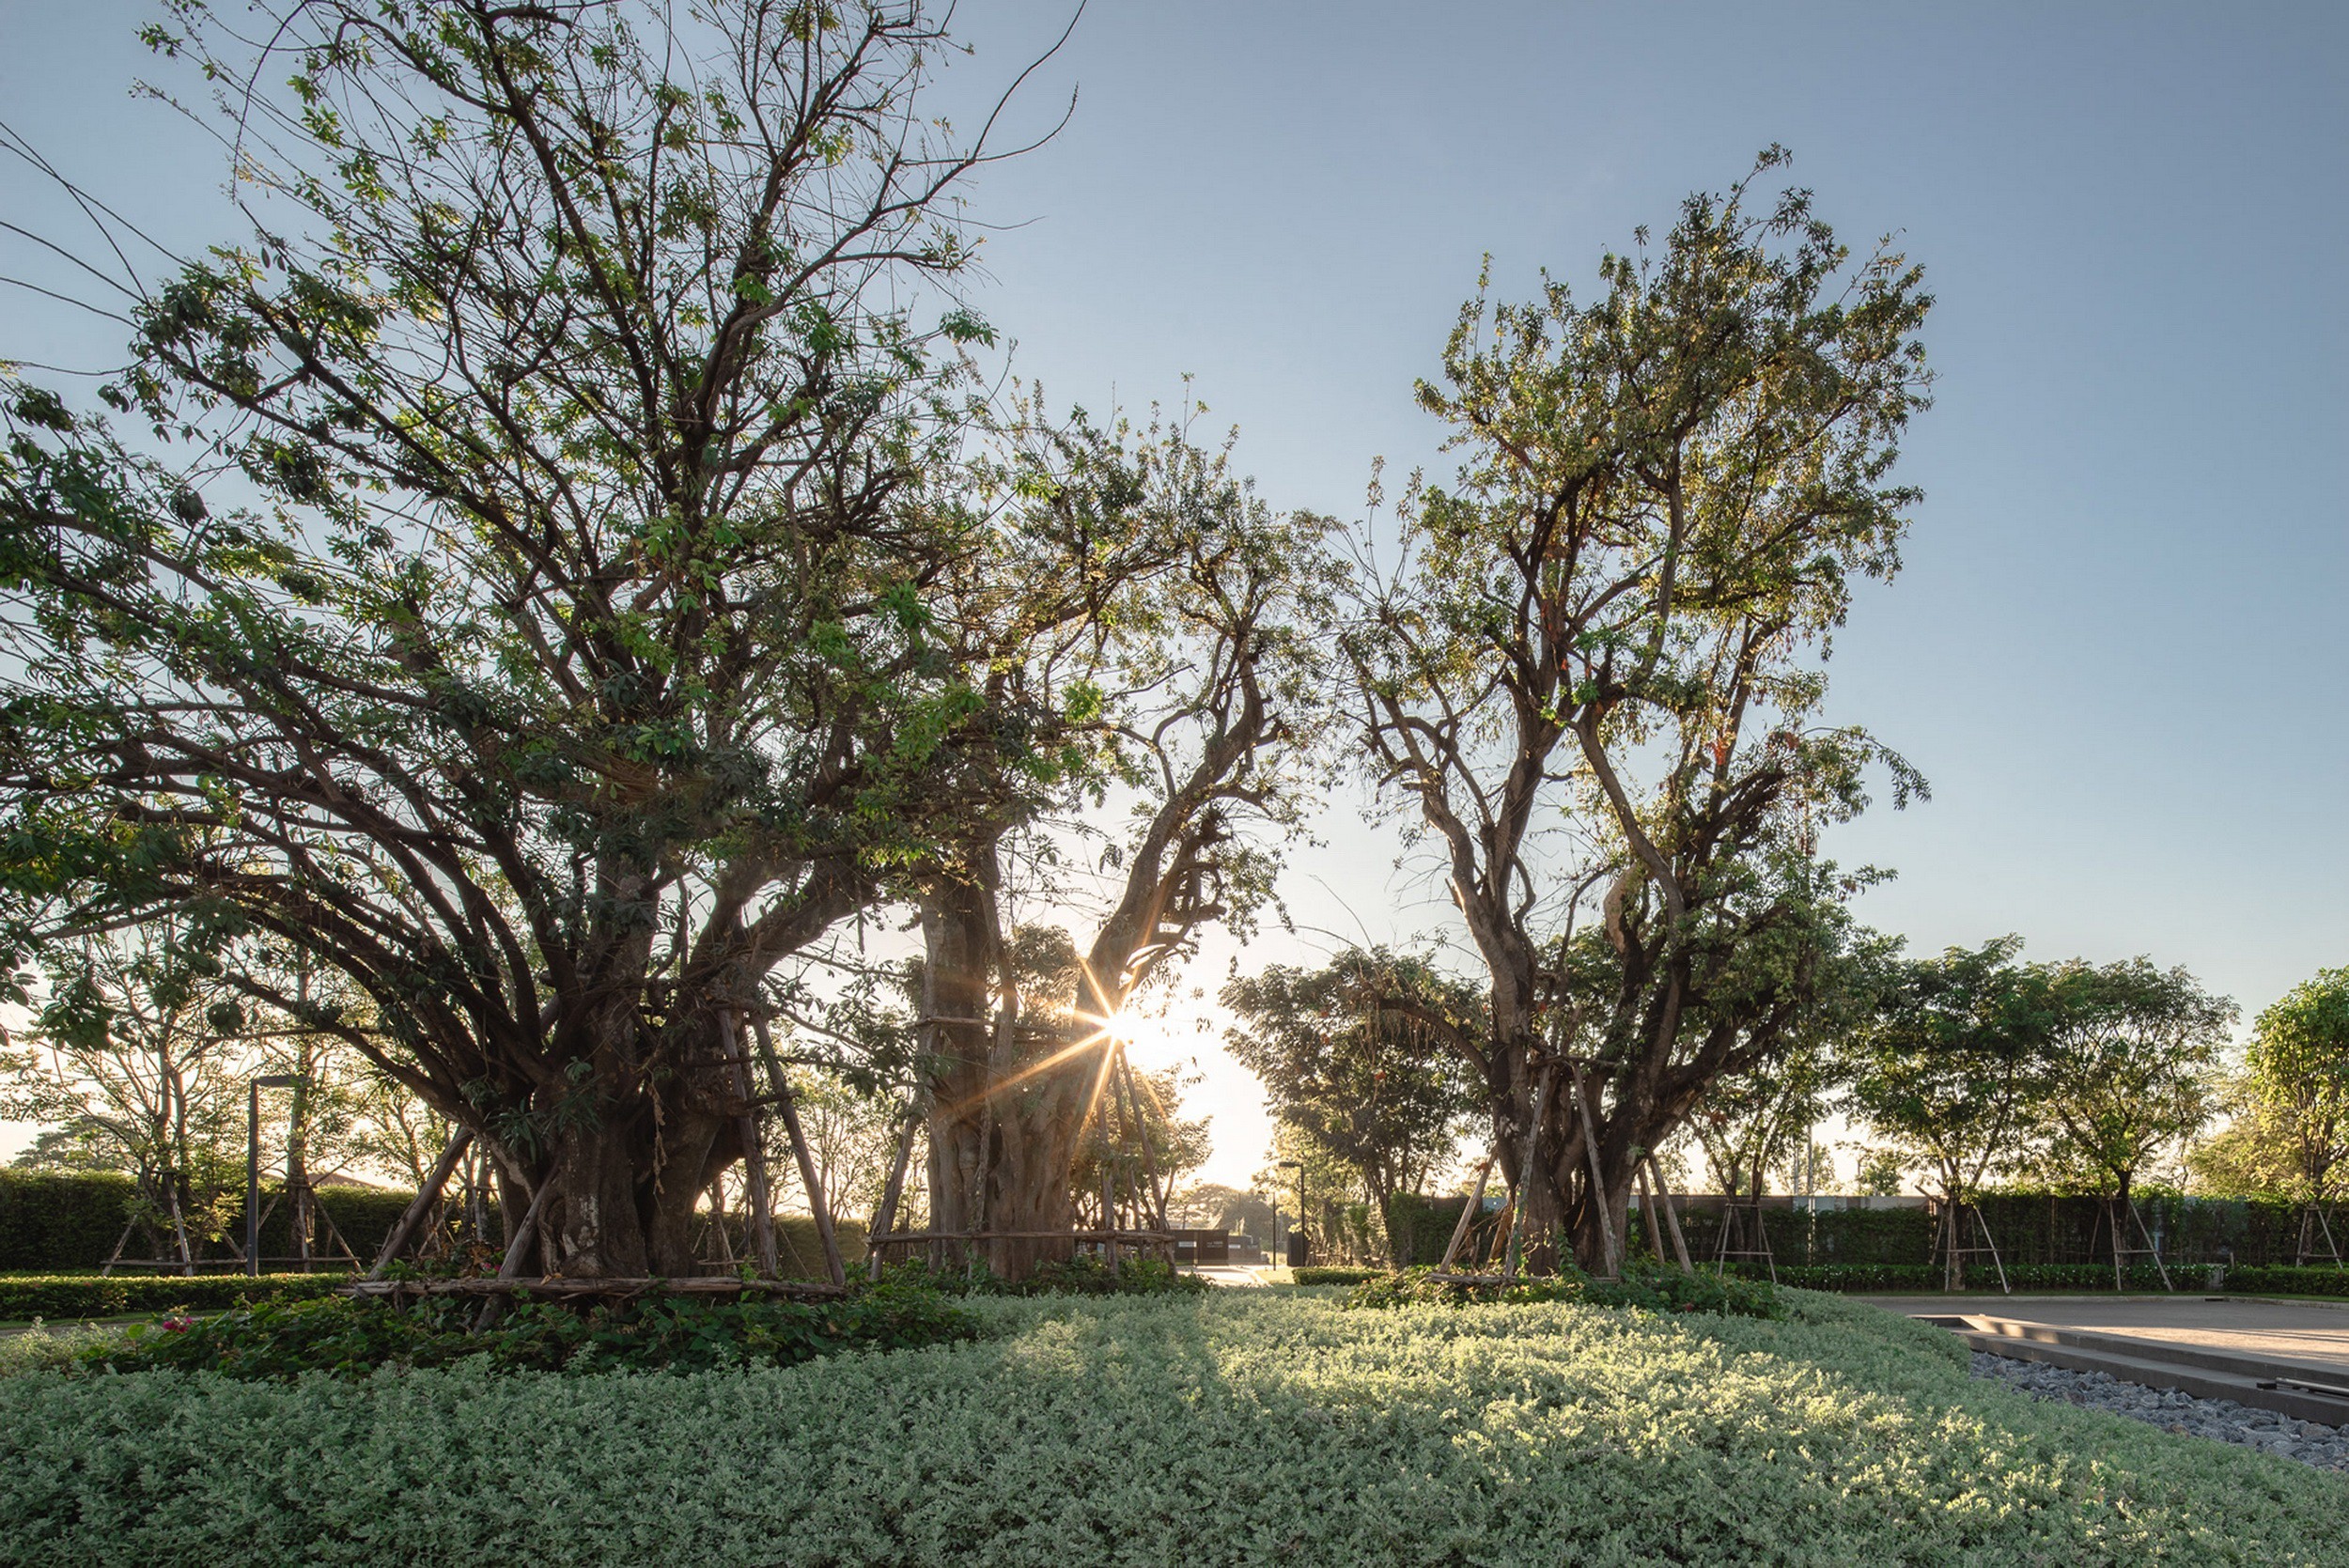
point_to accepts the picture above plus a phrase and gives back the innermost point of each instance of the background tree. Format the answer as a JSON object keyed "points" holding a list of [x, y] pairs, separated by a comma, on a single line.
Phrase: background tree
{"points": [[1664, 498], [2295, 1073], [1946, 1068], [573, 671], [1188, 676], [1213, 1206], [1758, 1123], [133, 1064], [1351, 1068], [2127, 1069]]}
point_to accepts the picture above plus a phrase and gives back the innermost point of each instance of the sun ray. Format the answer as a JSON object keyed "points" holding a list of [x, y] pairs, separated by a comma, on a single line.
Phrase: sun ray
{"points": [[1040, 1065]]}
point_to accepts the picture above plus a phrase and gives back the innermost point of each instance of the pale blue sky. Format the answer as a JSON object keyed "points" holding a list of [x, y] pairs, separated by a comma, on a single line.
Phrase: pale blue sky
{"points": [[2117, 647]]}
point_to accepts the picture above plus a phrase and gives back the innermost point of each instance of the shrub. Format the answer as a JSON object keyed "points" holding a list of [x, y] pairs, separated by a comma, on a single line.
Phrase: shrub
{"points": [[85, 1296], [350, 1338], [1242, 1426], [1079, 1275], [1644, 1287], [1318, 1275], [2285, 1280]]}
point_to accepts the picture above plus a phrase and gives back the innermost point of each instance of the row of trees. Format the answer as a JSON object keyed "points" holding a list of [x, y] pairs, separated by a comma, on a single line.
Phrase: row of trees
{"points": [[573, 581], [1967, 1069]]}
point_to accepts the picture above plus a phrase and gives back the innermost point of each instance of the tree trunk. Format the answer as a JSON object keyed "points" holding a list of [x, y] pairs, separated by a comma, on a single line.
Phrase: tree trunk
{"points": [[1003, 1125]]}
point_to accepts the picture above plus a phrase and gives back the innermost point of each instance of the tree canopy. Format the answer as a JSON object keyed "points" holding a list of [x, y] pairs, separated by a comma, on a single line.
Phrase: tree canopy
{"points": [[1592, 678]]}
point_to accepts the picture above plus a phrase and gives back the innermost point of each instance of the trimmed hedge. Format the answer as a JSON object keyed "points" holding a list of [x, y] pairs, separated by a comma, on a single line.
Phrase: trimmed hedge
{"points": [[1318, 1275], [2287, 1280], [68, 1225], [73, 1297], [62, 1224]]}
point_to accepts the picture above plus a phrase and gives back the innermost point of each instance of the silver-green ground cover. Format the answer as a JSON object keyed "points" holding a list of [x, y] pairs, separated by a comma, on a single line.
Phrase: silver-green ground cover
{"points": [[1247, 1427]]}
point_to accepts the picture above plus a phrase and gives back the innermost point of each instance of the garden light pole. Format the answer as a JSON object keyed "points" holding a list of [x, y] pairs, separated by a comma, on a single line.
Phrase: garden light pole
{"points": [[252, 1164], [1303, 1239]]}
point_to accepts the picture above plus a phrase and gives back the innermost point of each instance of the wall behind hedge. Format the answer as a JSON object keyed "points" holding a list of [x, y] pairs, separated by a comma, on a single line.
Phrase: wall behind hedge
{"points": [[66, 1224], [53, 1224], [2030, 1228]]}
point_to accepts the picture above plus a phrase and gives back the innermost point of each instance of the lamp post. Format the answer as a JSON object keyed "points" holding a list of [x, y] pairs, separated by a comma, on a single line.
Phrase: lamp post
{"points": [[1302, 1237], [252, 1164]]}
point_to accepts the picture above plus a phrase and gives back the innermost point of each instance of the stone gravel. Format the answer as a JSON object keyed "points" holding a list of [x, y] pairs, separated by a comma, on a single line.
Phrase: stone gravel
{"points": [[2325, 1448]]}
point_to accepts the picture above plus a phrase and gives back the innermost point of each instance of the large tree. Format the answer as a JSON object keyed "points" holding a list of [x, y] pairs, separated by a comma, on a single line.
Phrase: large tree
{"points": [[1352, 1065], [1595, 665], [568, 668], [2129, 1068], [1150, 618]]}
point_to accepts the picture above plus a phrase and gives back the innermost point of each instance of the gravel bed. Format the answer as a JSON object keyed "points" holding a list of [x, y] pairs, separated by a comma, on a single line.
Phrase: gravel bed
{"points": [[2326, 1447]]}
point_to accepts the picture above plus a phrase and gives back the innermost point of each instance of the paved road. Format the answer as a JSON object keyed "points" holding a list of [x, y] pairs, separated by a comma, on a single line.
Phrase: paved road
{"points": [[2310, 1332]]}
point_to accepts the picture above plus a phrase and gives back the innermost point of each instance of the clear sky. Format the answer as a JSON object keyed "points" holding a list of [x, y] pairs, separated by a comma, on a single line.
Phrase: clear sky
{"points": [[2117, 647]]}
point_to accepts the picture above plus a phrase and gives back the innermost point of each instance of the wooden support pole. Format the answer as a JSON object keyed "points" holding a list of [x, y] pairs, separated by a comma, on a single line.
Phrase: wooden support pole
{"points": [[758, 1195], [1130, 1093], [1609, 1253], [1525, 1174], [814, 1188], [1672, 1214], [1467, 1215], [1647, 1211], [426, 1196], [886, 1215], [527, 1233]]}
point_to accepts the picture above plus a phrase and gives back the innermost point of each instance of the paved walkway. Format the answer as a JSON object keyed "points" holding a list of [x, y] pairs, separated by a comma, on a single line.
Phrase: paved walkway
{"points": [[2310, 1332], [1229, 1274]]}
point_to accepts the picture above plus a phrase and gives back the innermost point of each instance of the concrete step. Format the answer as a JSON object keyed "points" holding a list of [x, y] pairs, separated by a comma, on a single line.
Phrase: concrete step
{"points": [[2301, 1391]]}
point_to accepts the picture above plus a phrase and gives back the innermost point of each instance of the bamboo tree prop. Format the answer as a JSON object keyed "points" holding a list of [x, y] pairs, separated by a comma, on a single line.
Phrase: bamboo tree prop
{"points": [[426, 1196], [813, 1188], [1611, 1250], [2119, 1273], [2312, 1224], [1672, 1215], [1467, 1215], [757, 1193], [1525, 1167], [886, 1215], [179, 1230], [1129, 1096], [525, 1242], [1647, 1211], [1947, 1234]]}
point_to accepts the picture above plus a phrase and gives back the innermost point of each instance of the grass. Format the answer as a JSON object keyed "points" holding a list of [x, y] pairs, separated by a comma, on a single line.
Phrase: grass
{"points": [[1248, 1426]]}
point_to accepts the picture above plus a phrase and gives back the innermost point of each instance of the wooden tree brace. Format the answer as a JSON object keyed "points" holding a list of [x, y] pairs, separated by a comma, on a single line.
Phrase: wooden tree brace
{"points": [[814, 1188], [426, 1196], [1467, 1215]]}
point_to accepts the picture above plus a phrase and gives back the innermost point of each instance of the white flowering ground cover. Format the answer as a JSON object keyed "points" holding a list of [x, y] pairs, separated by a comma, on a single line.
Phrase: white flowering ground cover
{"points": [[1257, 1426]]}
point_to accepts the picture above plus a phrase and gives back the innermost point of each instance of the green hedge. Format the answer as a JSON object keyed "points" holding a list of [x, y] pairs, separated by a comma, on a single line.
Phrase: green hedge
{"points": [[56, 1223], [68, 1296], [2288, 1280], [1316, 1275], [66, 1223]]}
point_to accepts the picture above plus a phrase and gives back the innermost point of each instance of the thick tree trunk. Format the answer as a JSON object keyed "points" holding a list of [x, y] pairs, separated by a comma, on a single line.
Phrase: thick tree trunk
{"points": [[1003, 1125]]}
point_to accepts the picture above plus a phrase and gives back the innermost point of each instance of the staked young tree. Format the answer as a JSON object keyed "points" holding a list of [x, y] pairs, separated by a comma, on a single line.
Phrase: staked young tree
{"points": [[132, 1062], [2129, 1068], [1354, 1064], [570, 667], [1947, 1065], [2295, 1072], [1611, 622]]}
